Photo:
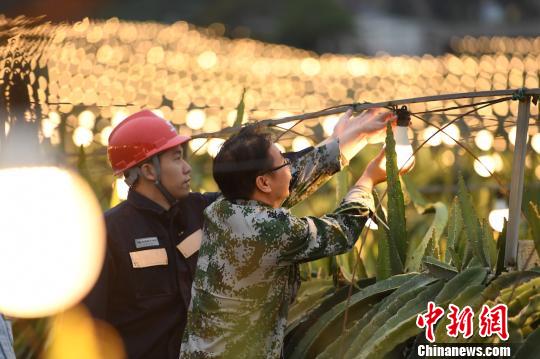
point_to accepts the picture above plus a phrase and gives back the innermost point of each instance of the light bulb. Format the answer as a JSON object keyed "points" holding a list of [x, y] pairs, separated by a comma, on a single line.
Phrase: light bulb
{"points": [[52, 240], [404, 149], [498, 215]]}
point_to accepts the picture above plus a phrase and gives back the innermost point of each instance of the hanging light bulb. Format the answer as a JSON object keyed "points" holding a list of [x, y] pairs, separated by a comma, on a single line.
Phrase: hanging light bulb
{"points": [[50, 265], [499, 213], [404, 149]]}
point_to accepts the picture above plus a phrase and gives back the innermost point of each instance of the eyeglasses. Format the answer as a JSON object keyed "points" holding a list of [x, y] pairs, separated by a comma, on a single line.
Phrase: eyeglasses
{"points": [[286, 163]]}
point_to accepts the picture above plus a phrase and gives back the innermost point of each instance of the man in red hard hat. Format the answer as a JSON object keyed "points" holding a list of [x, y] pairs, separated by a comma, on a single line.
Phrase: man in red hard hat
{"points": [[153, 237], [144, 288]]}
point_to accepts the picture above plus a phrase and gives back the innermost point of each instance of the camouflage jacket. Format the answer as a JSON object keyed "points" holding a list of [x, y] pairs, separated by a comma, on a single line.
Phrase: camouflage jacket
{"points": [[247, 260]]}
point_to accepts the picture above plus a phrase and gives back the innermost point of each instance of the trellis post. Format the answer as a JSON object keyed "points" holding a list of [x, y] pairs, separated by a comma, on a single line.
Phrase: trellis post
{"points": [[516, 183]]}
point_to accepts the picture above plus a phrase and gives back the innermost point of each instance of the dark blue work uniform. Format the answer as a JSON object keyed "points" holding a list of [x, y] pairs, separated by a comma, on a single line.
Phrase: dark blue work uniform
{"points": [[148, 304]]}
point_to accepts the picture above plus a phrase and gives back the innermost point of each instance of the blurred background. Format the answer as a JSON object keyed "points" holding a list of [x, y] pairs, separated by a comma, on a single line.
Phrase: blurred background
{"points": [[87, 65], [395, 27]]}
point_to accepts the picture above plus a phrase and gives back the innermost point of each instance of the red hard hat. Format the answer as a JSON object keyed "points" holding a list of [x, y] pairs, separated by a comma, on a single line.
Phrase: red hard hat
{"points": [[139, 137]]}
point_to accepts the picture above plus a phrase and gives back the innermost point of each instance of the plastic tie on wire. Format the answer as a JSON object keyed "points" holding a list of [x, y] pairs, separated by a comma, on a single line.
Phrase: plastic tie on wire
{"points": [[519, 94]]}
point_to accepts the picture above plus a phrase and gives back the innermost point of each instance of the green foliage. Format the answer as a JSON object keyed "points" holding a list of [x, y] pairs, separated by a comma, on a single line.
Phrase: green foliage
{"points": [[29, 337], [384, 315], [326, 325], [388, 260], [530, 347], [401, 326], [455, 228], [472, 225], [347, 262], [501, 250], [433, 235], [469, 277], [533, 218], [240, 108], [396, 205], [470, 296], [438, 268], [429, 243], [382, 323], [311, 295], [363, 330]]}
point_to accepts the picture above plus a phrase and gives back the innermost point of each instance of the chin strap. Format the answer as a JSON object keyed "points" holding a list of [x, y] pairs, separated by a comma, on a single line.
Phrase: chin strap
{"points": [[168, 196]]}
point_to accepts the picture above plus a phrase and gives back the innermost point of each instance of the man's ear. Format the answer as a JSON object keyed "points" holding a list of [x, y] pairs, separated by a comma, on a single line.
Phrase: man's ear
{"points": [[262, 184], [148, 172]]}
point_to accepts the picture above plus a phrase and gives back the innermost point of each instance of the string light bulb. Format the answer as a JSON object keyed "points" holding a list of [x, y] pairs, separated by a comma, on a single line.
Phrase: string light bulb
{"points": [[404, 149]]}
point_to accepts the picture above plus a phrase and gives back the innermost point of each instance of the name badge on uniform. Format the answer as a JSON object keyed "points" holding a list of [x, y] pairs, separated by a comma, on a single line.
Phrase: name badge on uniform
{"points": [[146, 242], [149, 258], [190, 244]]}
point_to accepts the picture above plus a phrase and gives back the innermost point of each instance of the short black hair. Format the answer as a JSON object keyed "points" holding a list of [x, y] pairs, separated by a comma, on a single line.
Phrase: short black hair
{"points": [[240, 160]]}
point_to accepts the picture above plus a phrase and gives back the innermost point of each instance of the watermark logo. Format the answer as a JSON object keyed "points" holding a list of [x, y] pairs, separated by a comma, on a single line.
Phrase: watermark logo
{"points": [[491, 321], [428, 320]]}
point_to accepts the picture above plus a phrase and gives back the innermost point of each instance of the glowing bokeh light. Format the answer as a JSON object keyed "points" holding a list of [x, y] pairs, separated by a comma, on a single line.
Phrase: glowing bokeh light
{"points": [[87, 119], [198, 144], [57, 270], [450, 135], [485, 165], [104, 135], [214, 145], [82, 137], [484, 140], [498, 215], [430, 134], [195, 119], [535, 142]]}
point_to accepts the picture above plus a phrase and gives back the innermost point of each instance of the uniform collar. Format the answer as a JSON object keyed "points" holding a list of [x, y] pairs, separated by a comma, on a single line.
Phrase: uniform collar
{"points": [[251, 203], [139, 201]]}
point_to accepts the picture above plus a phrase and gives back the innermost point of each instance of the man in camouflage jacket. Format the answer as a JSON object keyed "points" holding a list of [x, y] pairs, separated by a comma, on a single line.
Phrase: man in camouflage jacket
{"points": [[252, 245]]}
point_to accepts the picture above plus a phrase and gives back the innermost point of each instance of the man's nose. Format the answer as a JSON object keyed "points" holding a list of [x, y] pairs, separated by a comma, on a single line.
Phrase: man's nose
{"points": [[187, 169]]}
